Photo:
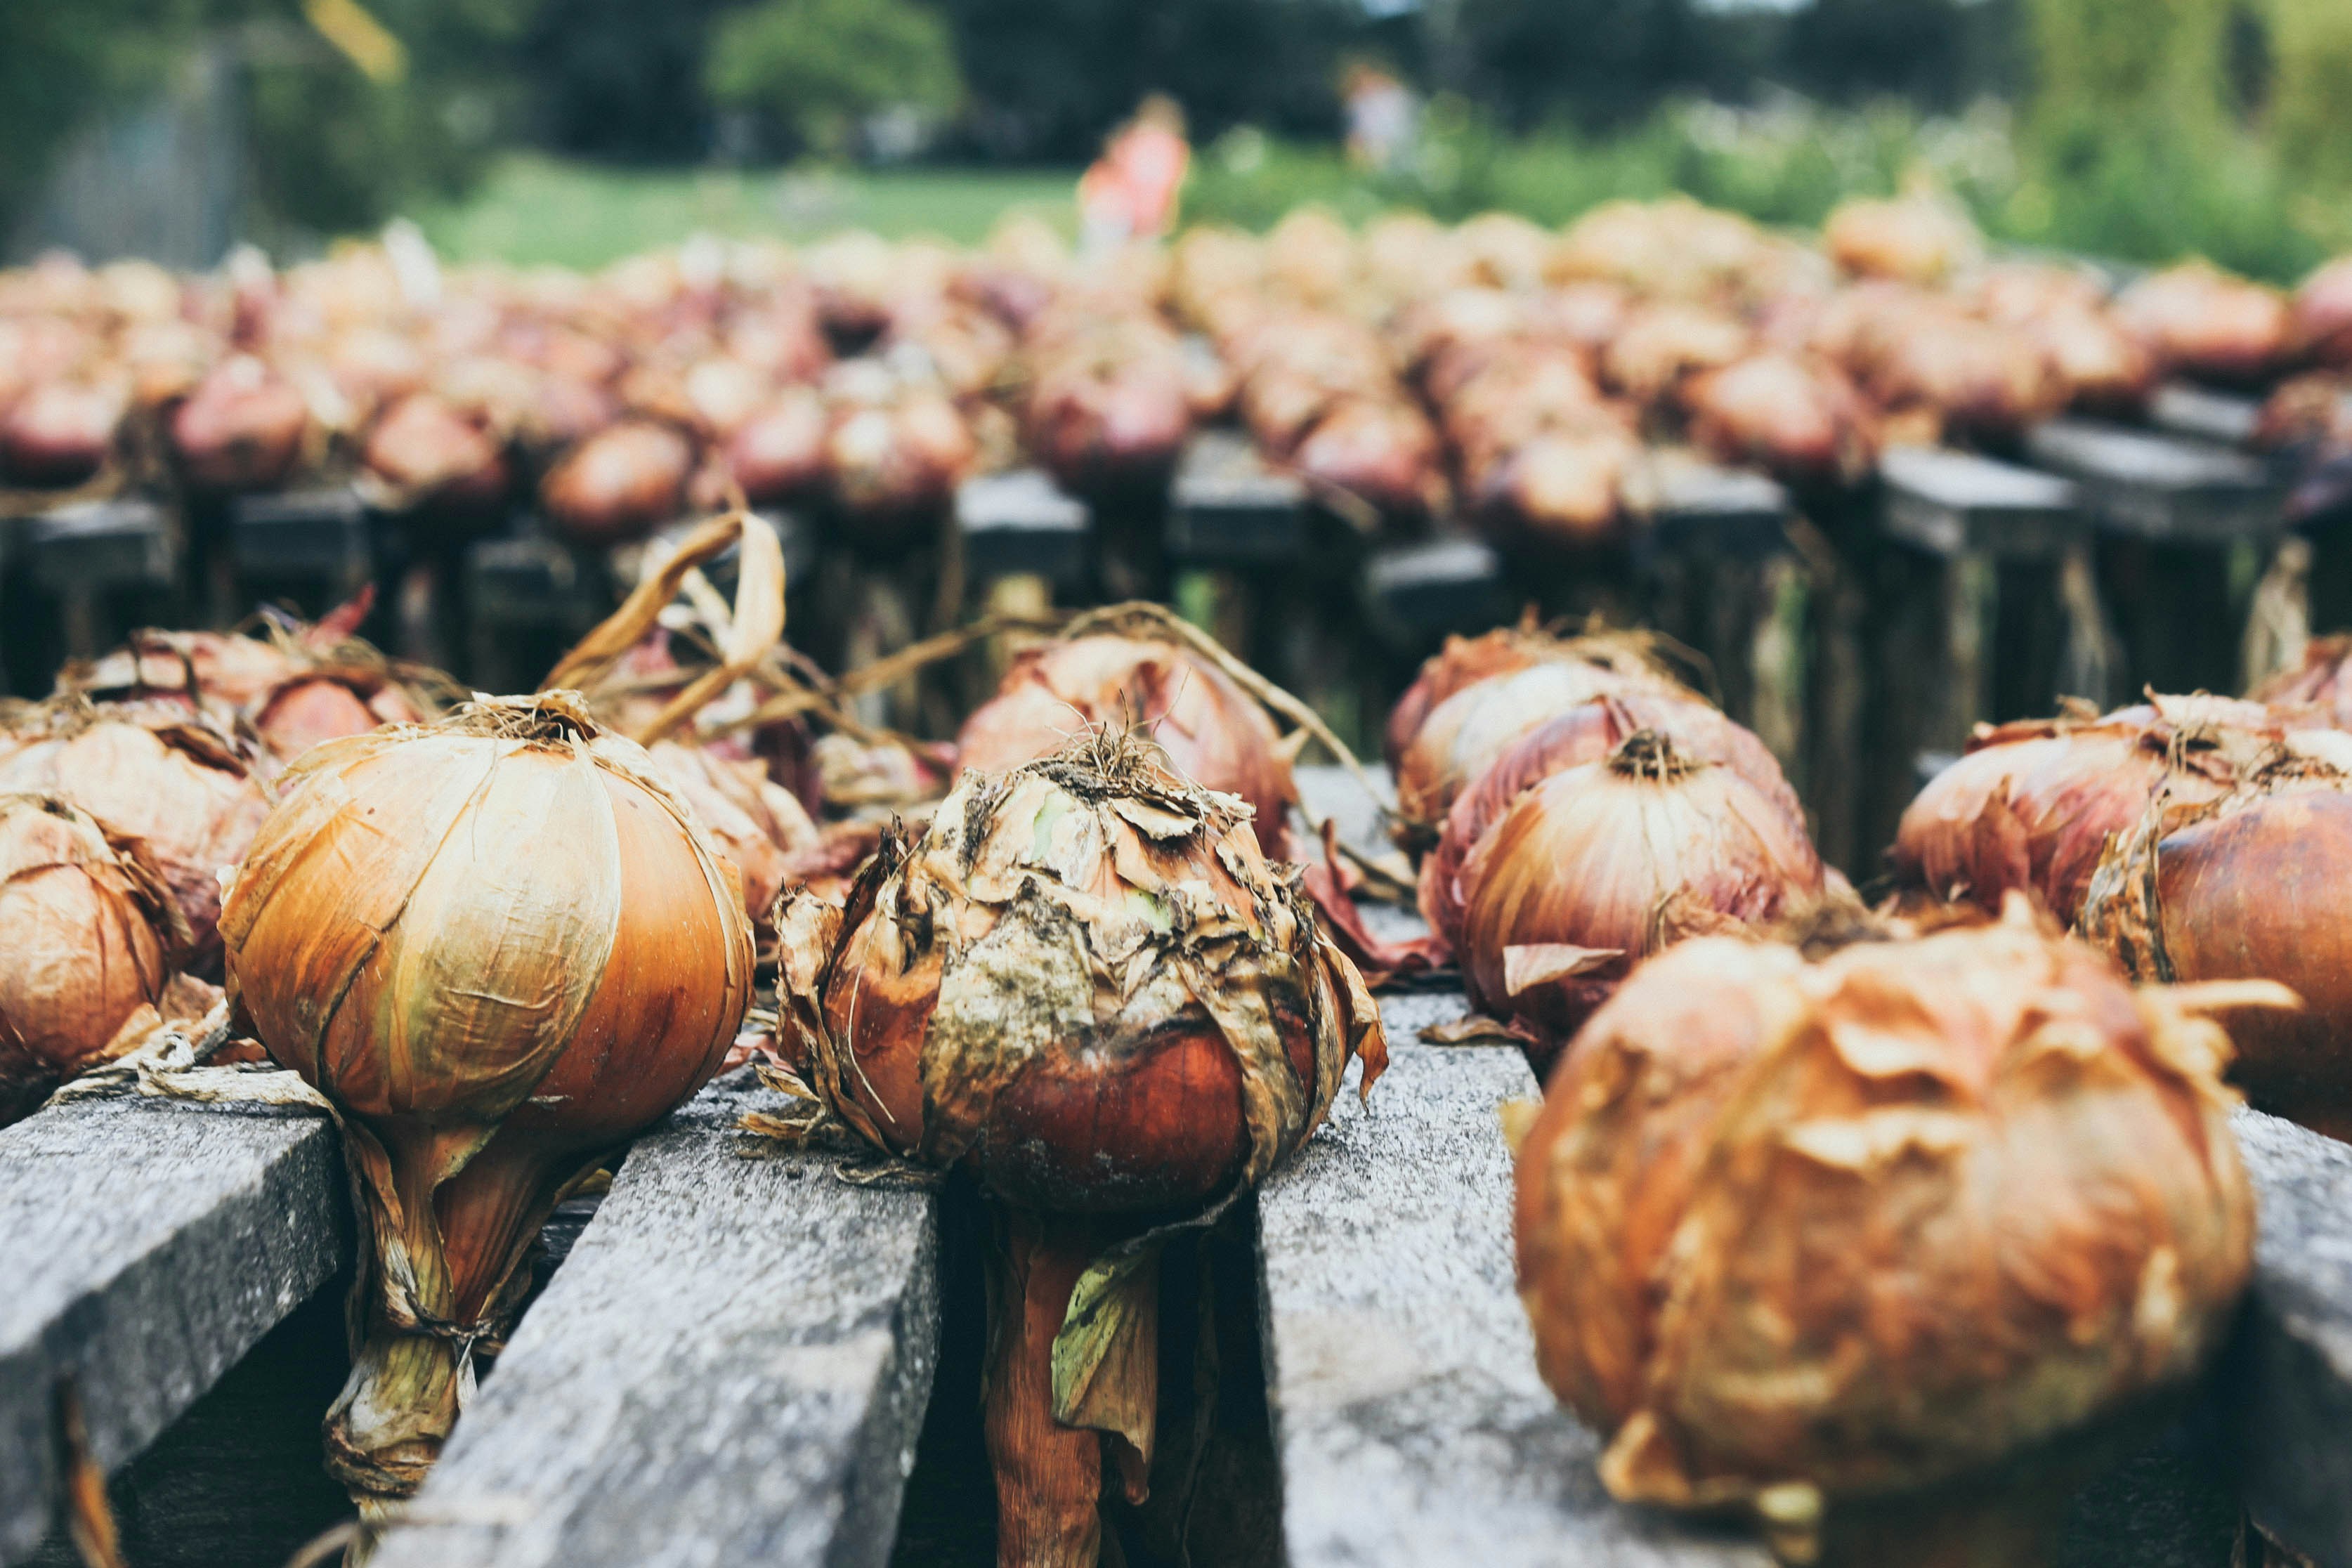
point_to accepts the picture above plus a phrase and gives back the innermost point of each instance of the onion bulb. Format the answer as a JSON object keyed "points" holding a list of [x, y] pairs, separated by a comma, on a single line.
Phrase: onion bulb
{"points": [[89, 933], [241, 429], [1598, 867], [1584, 734], [2031, 804], [156, 773], [60, 433], [500, 947], [619, 484], [1086, 987], [2246, 885], [1806, 1238], [1216, 735], [757, 823], [2320, 686], [1480, 694]]}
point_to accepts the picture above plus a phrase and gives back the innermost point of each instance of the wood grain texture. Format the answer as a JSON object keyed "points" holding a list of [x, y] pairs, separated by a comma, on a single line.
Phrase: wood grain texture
{"points": [[732, 1367], [1411, 1426], [146, 1248]]}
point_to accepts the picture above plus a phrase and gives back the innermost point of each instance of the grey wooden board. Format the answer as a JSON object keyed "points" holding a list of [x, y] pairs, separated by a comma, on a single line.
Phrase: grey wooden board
{"points": [[1698, 509], [732, 1367], [1411, 1426], [1442, 585], [1957, 503], [300, 532], [146, 1247], [101, 543], [529, 580], [2186, 409], [2160, 487], [1022, 521], [1229, 509], [2291, 1388]]}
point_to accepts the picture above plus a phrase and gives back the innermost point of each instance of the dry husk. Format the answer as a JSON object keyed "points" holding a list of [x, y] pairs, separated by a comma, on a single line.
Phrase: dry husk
{"points": [[179, 785], [2248, 886], [88, 934], [1085, 986], [1802, 1236], [500, 947]]}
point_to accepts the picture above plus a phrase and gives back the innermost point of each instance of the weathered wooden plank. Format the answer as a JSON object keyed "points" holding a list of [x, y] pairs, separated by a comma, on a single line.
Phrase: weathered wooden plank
{"points": [[2160, 487], [731, 1368], [1229, 508], [1401, 1373], [1445, 585], [2288, 1386], [1022, 523], [124, 543], [1957, 503], [2225, 418], [147, 1246], [1698, 509], [302, 534]]}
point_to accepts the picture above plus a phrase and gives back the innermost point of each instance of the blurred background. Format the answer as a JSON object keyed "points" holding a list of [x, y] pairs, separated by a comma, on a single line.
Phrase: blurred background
{"points": [[578, 131]]}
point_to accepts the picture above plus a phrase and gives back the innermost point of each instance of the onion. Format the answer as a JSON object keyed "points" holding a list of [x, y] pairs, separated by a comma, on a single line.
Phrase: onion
{"points": [[1559, 491], [2246, 885], [901, 460], [1807, 1238], [1913, 239], [1585, 734], [1108, 409], [1214, 733], [242, 429], [60, 433], [88, 934], [1086, 987], [1798, 417], [755, 823], [1599, 865], [1381, 450], [330, 702], [500, 947], [2031, 804], [227, 668], [778, 454], [2202, 321], [2320, 686], [619, 484], [2323, 315], [1478, 695], [429, 452], [156, 773]]}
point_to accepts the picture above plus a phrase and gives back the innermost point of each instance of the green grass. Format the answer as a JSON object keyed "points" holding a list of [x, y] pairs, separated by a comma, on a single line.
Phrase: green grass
{"points": [[533, 209]]}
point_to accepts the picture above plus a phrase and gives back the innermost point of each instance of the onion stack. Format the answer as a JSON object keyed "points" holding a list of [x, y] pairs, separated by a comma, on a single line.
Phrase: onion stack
{"points": [[1084, 986], [500, 947], [1872, 1248], [88, 938]]}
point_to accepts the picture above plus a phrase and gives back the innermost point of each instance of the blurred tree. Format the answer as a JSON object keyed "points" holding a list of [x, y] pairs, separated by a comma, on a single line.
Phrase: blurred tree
{"points": [[1599, 62], [1938, 54], [59, 65], [620, 79], [818, 66], [2311, 89], [2113, 68], [336, 149]]}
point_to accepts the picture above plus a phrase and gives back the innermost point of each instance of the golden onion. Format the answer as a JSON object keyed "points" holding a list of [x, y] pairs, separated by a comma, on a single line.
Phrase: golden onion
{"points": [[1814, 1238], [500, 948]]}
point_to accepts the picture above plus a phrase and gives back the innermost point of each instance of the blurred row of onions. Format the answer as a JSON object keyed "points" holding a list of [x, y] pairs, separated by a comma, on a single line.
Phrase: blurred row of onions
{"points": [[1495, 370]]}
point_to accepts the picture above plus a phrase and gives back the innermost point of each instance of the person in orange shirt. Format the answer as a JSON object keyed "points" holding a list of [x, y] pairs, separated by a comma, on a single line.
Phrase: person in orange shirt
{"points": [[1130, 193]]}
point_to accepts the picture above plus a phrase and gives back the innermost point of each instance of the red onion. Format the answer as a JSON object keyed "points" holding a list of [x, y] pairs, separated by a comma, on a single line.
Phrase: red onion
{"points": [[2323, 315], [2202, 321], [1585, 734], [426, 451], [1798, 417], [60, 433], [620, 484], [1598, 867], [242, 429], [778, 454]]}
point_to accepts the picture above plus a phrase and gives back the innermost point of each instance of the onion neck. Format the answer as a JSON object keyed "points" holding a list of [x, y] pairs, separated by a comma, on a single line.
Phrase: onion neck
{"points": [[1648, 755]]}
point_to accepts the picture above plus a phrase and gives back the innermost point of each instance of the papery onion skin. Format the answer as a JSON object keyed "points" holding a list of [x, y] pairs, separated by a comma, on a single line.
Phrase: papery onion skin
{"points": [[1464, 734], [1585, 734], [757, 824], [2031, 806], [1215, 732], [1621, 858], [501, 949], [156, 773], [2320, 684], [971, 1041], [312, 709], [1866, 1226], [88, 936], [2253, 884]]}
